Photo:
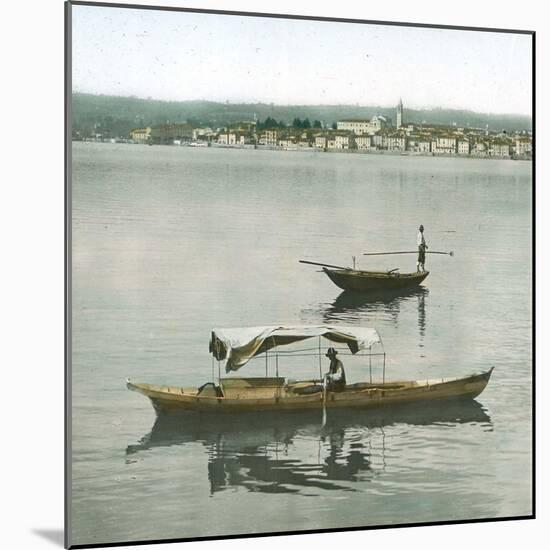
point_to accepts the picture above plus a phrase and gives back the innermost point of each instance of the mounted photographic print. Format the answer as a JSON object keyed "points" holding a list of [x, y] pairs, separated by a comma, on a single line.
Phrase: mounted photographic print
{"points": [[299, 274]]}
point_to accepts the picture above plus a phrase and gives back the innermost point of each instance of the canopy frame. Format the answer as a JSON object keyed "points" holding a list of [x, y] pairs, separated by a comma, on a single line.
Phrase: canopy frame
{"points": [[238, 346]]}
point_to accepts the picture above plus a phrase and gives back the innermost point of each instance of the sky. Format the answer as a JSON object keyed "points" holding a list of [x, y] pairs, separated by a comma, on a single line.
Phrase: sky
{"points": [[188, 56]]}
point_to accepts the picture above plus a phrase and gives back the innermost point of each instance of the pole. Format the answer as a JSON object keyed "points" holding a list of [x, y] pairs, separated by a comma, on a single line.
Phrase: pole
{"points": [[384, 370], [370, 364], [323, 265], [266, 362], [324, 401], [320, 366], [451, 253]]}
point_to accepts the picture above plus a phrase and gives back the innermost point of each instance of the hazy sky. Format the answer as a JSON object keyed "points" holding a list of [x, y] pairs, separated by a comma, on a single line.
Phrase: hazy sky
{"points": [[182, 56]]}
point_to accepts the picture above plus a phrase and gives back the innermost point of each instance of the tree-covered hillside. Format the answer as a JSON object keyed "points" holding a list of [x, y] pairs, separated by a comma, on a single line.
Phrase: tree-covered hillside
{"points": [[118, 115]]}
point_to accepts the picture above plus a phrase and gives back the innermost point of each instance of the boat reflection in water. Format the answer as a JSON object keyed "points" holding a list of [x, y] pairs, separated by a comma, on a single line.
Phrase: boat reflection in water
{"points": [[295, 453], [350, 305]]}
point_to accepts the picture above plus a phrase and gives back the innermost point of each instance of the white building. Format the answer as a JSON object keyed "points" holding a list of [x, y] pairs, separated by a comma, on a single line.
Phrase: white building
{"points": [[363, 126], [342, 141], [479, 148], [499, 148], [202, 132], [269, 137], [380, 140], [363, 142], [523, 146], [463, 147], [231, 138], [396, 143], [357, 126], [444, 145], [418, 144], [320, 142], [141, 135]]}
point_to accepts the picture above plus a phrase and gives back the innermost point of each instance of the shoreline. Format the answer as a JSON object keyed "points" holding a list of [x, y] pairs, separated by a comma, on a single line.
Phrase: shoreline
{"points": [[316, 150]]}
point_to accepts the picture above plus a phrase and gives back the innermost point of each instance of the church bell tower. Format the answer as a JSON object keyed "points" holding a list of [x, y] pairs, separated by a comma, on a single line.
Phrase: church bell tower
{"points": [[400, 121]]}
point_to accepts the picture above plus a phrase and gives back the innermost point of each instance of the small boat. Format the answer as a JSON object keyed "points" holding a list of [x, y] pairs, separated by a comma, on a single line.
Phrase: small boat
{"points": [[356, 280], [368, 281], [238, 346]]}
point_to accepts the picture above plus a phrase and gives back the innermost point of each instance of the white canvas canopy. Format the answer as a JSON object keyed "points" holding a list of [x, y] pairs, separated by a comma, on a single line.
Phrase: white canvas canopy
{"points": [[238, 345]]}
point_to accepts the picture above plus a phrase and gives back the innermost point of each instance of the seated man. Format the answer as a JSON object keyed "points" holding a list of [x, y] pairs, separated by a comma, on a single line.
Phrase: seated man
{"points": [[335, 377]]}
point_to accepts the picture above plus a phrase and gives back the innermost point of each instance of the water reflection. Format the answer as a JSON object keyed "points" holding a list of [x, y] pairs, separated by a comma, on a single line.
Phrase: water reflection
{"points": [[294, 453], [358, 307]]}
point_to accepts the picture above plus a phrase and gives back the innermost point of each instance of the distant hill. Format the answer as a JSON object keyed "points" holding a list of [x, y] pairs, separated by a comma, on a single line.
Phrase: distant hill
{"points": [[118, 115]]}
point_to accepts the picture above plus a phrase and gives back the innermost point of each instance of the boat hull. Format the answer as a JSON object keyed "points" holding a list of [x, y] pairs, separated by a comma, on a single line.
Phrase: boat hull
{"points": [[369, 281], [285, 398]]}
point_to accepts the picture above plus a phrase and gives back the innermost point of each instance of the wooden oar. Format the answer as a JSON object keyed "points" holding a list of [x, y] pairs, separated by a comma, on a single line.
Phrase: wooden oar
{"points": [[451, 253], [339, 266], [323, 265]]}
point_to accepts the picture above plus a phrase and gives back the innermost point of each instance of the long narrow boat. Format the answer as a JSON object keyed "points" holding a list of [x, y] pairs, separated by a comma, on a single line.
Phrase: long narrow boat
{"points": [[356, 280], [236, 394], [367, 281]]}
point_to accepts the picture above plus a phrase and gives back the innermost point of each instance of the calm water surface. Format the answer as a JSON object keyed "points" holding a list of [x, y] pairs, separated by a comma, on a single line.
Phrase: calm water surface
{"points": [[170, 242]]}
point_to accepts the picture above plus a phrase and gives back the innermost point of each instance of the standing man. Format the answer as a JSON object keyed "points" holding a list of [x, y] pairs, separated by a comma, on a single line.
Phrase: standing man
{"points": [[422, 246], [336, 376]]}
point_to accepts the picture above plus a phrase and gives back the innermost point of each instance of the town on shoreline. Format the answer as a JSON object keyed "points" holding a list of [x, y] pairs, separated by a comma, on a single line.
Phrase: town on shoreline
{"points": [[375, 135]]}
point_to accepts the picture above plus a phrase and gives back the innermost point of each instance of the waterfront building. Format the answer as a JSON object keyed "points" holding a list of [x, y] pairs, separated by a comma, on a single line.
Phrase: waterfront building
{"points": [[287, 142], [226, 138], [444, 144], [523, 146], [379, 141], [233, 137], [320, 142], [166, 134], [419, 144], [202, 133], [499, 148], [363, 142], [480, 147], [269, 137], [396, 142], [343, 141], [140, 135], [463, 147]]}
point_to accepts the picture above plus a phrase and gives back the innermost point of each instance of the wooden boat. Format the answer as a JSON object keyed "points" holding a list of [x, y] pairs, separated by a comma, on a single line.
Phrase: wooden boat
{"points": [[356, 280], [238, 394], [369, 281]]}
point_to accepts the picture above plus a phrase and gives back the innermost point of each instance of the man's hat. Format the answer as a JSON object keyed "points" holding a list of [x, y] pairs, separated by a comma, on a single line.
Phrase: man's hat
{"points": [[421, 228], [331, 352]]}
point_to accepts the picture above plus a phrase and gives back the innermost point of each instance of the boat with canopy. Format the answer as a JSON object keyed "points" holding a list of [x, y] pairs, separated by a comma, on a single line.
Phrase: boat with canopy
{"points": [[236, 347]]}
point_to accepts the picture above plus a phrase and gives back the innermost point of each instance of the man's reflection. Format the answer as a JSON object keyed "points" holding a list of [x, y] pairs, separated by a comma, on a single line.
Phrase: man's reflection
{"points": [[422, 314]]}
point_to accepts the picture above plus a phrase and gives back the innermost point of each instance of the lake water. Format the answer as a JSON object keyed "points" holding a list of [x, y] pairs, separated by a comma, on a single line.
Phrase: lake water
{"points": [[171, 242]]}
